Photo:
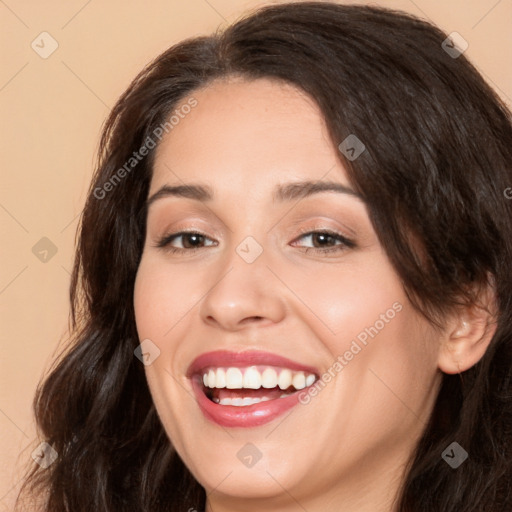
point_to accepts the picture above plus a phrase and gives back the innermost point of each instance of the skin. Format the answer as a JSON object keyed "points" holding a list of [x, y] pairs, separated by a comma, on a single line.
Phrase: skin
{"points": [[348, 447]]}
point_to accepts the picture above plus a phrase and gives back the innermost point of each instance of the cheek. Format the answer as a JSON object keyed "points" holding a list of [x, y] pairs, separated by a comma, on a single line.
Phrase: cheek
{"points": [[380, 349], [336, 300], [163, 295], [343, 299]]}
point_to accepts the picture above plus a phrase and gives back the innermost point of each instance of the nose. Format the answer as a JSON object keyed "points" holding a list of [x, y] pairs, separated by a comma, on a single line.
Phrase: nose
{"points": [[243, 294]]}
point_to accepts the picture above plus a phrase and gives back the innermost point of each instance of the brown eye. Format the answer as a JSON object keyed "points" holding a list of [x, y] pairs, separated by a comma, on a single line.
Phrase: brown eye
{"points": [[323, 239], [191, 240], [328, 241]]}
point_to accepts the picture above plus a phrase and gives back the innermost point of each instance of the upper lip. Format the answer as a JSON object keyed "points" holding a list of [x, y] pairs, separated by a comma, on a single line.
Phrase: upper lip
{"points": [[226, 358]]}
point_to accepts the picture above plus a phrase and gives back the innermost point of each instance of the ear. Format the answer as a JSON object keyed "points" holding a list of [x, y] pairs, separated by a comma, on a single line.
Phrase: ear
{"points": [[468, 333]]}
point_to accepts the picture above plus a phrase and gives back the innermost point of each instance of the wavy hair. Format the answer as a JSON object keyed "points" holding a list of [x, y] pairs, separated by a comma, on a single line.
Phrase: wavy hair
{"points": [[434, 177]]}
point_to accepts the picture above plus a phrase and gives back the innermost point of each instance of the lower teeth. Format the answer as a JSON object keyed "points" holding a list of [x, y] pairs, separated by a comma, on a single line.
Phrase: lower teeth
{"points": [[242, 402]]}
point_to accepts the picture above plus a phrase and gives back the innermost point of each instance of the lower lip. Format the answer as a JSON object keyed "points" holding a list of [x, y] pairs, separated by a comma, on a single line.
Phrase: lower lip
{"points": [[243, 416]]}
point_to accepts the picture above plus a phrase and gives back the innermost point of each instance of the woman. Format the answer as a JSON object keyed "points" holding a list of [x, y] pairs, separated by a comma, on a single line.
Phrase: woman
{"points": [[222, 362]]}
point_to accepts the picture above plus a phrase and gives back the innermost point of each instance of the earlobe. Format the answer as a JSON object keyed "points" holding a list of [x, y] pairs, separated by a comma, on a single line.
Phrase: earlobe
{"points": [[466, 339]]}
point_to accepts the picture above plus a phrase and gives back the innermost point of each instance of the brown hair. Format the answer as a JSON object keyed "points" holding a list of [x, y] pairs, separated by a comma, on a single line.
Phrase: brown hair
{"points": [[438, 159]]}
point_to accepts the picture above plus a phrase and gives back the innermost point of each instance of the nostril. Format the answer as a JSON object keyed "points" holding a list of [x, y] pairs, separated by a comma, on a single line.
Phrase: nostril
{"points": [[250, 318]]}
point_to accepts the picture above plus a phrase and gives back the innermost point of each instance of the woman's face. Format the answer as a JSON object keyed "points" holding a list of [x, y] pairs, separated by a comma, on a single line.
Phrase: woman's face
{"points": [[251, 298]]}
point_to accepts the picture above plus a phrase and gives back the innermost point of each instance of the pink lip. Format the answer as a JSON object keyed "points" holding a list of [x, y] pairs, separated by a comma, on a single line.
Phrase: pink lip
{"points": [[246, 416], [225, 358]]}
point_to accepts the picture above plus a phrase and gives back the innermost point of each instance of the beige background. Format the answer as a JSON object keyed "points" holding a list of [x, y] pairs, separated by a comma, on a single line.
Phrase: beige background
{"points": [[52, 110]]}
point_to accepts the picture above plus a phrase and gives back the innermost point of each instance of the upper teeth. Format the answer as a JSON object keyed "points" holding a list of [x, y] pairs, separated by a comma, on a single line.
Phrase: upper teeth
{"points": [[255, 378]]}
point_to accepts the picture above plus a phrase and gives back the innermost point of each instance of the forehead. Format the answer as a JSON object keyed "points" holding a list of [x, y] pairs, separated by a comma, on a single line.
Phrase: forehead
{"points": [[245, 133]]}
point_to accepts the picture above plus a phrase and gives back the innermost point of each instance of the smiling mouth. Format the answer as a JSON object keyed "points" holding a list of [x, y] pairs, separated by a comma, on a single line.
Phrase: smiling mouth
{"points": [[242, 387]]}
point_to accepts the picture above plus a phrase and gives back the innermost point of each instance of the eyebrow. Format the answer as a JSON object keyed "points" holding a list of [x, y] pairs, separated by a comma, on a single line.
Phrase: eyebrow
{"points": [[282, 192]]}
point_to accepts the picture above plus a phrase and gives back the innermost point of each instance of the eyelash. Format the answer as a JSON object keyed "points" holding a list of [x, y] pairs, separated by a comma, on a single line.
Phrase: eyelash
{"points": [[163, 243]]}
